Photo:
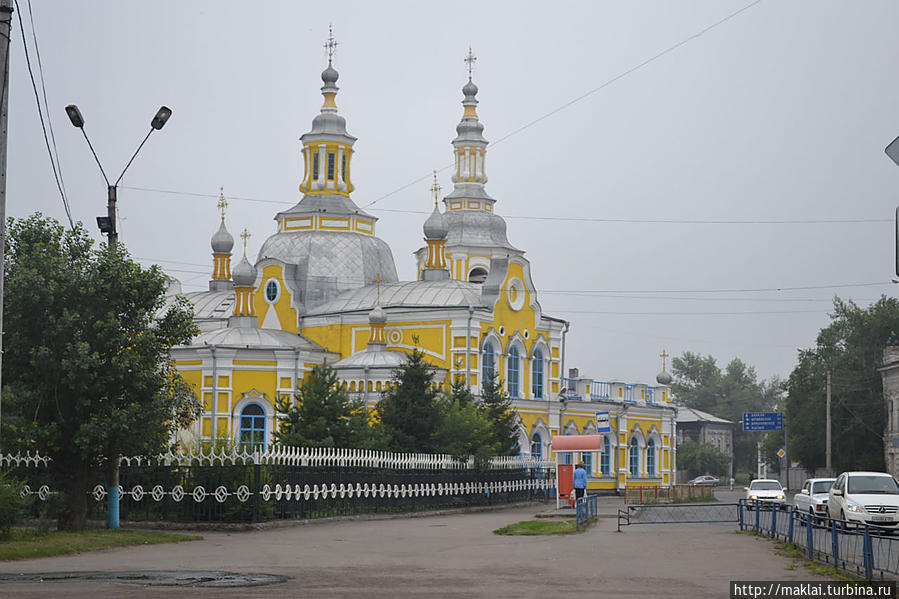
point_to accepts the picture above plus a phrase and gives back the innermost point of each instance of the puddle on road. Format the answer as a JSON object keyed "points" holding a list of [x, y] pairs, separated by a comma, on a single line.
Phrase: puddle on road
{"points": [[203, 578]]}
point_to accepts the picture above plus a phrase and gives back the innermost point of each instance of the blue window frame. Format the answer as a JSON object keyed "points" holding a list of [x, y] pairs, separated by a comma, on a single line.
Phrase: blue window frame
{"points": [[252, 426], [489, 361], [605, 456], [537, 446], [512, 369], [650, 458], [634, 458], [587, 459], [537, 375]]}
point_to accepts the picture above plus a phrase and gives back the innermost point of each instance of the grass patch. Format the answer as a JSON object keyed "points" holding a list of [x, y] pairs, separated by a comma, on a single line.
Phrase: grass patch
{"points": [[29, 543], [800, 557], [541, 527]]}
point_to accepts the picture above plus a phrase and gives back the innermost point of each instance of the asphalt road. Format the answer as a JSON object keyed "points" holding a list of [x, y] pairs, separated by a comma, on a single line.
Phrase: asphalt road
{"points": [[439, 556]]}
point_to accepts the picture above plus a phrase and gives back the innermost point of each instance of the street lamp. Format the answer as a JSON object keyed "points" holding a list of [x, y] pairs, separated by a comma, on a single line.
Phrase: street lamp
{"points": [[107, 223]]}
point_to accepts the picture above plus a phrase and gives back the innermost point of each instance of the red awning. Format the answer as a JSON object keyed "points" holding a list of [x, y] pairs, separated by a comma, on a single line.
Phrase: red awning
{"points": [[577, 443]]}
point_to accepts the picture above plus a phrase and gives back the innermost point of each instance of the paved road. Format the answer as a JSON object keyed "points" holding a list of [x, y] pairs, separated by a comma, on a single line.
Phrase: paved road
{"points": [[440, 556]]}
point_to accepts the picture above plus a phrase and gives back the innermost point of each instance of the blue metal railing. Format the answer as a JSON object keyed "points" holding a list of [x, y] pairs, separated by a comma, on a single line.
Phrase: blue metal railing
{"points": [[867, 550], [587, 508]]}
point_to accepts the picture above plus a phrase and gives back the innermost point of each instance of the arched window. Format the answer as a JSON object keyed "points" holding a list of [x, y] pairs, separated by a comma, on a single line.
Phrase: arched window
{"points": [[634, 458], [489, 361], [537, 375], [605, 456], [512, 371], [252, 426], [650, 458], [477, 275], [537, 446]]}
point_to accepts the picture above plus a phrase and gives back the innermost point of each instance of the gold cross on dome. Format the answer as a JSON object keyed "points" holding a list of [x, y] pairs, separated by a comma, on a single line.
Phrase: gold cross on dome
{"points": [[331, 44], [470, 59], [378, 280], [664, 356], [435, 189], [222, 203], [245, 236]]}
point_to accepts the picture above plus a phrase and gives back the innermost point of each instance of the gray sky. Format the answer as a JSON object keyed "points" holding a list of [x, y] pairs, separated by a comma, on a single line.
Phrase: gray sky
{"points": [[780, 113]]}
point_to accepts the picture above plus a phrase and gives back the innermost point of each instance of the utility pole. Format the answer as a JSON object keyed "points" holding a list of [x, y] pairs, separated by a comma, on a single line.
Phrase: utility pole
{"points": [[5, 33], [828, 462]]}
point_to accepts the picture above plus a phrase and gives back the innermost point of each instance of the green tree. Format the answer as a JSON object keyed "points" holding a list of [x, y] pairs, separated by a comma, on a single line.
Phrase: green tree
{"points": [[86, 368], [324, 414], [851, 347], [496, 407], [699, 383], [701, 458], [409, 413]]}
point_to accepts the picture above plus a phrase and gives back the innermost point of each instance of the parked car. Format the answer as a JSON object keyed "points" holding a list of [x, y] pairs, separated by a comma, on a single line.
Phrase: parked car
{"points": [[812, 497], [705, 480], [765, 490], [865, 497]]}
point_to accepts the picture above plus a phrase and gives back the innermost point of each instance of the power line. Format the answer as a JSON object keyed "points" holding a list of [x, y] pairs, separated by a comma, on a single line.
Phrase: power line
{"points": [[57, 175], [618, 77], [744, 313], [572, 219]]}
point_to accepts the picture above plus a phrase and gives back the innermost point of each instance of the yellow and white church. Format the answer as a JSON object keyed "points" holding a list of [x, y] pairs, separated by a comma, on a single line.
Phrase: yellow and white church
{"points": [[324, 288]]}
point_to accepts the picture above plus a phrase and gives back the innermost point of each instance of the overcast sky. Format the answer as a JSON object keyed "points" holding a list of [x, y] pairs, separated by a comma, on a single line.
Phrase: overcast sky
{"points": [[780, 113]]}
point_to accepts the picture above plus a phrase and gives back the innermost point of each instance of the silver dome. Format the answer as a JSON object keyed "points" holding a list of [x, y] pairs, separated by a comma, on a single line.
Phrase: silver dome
{"points": [[377, 316], [222, 241], [329, 75], [330, 262], [435, 227], [663, 378], [244, 275], [470, 90], [474, 227]]}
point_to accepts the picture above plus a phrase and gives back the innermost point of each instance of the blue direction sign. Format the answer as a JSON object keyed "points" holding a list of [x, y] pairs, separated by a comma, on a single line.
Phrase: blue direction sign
{"points": [[763, 421]]}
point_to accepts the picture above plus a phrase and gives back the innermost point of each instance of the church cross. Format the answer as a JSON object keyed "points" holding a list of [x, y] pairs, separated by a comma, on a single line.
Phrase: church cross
{"points": [[470, 59], [245, 236], [435, 189], [664, 356], [222, 203], [330, 45]]}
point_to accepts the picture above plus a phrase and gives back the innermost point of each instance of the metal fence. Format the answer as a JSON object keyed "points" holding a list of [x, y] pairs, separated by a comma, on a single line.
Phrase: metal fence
{"points": [[289, 483], [679, 513], [863, 549], [669, 494], [586, 509]]}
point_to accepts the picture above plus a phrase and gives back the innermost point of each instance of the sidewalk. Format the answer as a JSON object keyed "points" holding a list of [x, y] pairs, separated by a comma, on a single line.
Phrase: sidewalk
{"points": [[455, 555]]}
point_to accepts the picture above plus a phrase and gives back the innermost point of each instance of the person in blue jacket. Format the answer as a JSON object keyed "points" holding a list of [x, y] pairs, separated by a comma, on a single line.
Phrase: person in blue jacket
{"points": [[580, 480]]}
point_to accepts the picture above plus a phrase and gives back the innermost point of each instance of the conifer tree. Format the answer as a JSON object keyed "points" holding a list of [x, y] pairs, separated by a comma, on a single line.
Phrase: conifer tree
{"points": [[324, 414], [409, 412], [496, 407]]}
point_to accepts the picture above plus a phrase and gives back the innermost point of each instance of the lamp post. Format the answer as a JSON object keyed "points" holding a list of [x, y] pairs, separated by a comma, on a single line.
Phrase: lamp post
{"points": [[107, 223]]}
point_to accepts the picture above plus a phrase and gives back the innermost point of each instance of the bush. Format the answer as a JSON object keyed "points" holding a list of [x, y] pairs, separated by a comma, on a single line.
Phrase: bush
{"points": [[12, 505]]}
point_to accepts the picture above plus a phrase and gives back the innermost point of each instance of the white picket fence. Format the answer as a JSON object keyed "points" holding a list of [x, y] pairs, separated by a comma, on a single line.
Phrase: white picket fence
{"points": [[305, 456]]}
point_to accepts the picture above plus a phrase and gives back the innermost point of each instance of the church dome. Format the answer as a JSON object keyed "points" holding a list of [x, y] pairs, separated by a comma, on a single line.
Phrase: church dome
{"points": [[222, 241], [663, 378], [329, 75], [377, 316], [244, 274], [330, 262], [435, 227], [471, 227], [470, 89]]}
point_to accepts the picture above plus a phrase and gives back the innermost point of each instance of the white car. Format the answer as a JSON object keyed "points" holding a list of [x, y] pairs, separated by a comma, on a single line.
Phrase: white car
{"points": [[865, 497], [765, 490], [812, 498]]}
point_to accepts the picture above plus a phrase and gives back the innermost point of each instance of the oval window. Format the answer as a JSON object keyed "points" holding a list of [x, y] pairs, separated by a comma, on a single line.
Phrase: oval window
{"points": [[272, 290]]}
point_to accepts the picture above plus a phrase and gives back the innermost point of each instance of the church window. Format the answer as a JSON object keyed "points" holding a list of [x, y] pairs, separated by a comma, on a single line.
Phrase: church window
{"points": [[477, 275], [315, 166], [537, 375], [537, 446], [272, 290], [587, 459], [650, 458], [605, 457], [634, 458], [252, 427], [330, 166], [512, 371], [489, 361], [343, 168]]}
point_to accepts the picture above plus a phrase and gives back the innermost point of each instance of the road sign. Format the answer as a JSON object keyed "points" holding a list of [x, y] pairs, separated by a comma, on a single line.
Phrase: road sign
{"points": [[763, 421], [781, 453], [603, 422]]}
